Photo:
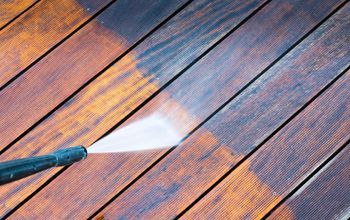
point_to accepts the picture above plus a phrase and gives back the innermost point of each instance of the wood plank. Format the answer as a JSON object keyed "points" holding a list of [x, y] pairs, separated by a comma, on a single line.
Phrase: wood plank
{"points": [[262, 180], [173, 184], [38, 30], [75, 62], [325, 196], [124, 86], [112, 172], [10, 9]]}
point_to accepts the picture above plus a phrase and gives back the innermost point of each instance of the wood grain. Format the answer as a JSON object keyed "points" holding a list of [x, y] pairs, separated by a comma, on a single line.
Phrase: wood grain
{"points": [[325, 196], [193, 167], [112, 172], [9, 9], [123, 87], [76, 61], [284, 161], [38, 30]]}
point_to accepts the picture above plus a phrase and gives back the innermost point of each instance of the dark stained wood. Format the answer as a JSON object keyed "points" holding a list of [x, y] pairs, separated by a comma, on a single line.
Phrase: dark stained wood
{"points": [[9, 9], [324, 196], [76, 61], [174, 183], [39, 29], [123, 87], [261, 181], [111, 173]]}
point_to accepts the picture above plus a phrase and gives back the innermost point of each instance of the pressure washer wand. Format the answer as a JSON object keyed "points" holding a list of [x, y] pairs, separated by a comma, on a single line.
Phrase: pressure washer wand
{"points": [[20, 168]]}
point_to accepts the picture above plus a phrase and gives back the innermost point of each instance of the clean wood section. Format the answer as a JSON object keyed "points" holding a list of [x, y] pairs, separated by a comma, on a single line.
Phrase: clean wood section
{"points": [[192, 168], [125, 167], [75, 62], [262, 180], [325, 196], [123, 87], [39, 29], [10, 9]]}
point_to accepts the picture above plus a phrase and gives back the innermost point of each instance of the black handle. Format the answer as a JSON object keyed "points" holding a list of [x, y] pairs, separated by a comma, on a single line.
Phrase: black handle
{"points": [[17, 169], [20, 168]]}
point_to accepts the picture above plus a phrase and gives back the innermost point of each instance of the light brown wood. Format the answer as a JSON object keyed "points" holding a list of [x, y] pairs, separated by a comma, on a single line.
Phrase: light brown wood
{"points": [[38, 30], [10, 9]]}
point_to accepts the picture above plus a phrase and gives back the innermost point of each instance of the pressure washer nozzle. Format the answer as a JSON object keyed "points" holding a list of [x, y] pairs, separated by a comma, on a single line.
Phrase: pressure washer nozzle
{"points": [[70, 155], [20, 168]]}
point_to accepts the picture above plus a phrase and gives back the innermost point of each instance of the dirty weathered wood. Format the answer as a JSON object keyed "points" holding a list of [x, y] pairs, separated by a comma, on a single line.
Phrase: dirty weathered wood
{"points": [[325, 196], [262, 180]]}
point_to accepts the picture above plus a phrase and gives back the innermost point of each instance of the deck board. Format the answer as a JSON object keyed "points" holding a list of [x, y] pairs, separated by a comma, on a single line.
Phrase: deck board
{"points": [[258, 89], [324, 195]]}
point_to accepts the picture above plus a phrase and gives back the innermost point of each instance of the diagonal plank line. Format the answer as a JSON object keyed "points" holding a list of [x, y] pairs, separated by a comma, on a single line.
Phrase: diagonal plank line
{"points": [[93, 78], [19, 15], [319, 168], [56, 45], [263, 142], [221, 107]]}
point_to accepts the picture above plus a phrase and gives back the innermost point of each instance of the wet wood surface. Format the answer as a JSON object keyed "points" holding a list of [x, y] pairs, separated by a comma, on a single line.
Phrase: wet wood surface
{"points": [[248, 84]]}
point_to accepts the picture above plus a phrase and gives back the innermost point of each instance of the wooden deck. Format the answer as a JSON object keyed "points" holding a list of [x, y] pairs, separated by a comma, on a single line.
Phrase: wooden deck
{"points": [[259, 90]]}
